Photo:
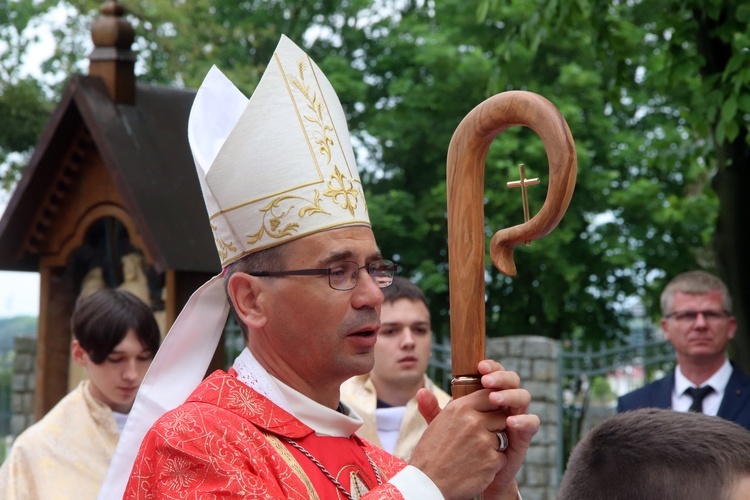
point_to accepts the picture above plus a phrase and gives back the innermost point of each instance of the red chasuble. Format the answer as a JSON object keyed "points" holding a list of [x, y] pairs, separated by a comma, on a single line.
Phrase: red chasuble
{"points": [[228, 441]]}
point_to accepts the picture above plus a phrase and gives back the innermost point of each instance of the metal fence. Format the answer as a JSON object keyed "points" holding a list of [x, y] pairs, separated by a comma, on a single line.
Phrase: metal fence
{"points": [[592, 377], [439, 367]]}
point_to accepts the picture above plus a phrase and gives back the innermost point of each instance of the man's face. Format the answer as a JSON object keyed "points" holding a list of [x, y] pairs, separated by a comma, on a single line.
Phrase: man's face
{"points": [[309, 335], [404, 344], [704, 338], [115, 381]]}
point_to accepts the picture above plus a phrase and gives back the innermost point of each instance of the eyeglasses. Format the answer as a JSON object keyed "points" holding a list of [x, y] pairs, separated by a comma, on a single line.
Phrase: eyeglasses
{"points": [[709, 315], [343, 275]]}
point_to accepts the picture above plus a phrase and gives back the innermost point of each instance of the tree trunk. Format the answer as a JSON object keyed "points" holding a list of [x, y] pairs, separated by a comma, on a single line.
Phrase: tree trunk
{"points": [[732, 238]]}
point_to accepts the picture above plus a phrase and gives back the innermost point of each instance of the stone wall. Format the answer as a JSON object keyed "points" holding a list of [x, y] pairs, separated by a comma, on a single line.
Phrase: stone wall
{"points": [[24, 384], [535, 360]]}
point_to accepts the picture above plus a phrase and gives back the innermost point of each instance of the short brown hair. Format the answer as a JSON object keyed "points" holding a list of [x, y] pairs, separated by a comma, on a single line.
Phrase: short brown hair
{"points": [[694, 283], [657, 453], [402, 288], [101, 320]]}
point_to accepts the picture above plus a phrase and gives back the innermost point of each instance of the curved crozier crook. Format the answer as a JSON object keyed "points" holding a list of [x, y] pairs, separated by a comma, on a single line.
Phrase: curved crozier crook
{"points": [[466, 232], [541, 116]]}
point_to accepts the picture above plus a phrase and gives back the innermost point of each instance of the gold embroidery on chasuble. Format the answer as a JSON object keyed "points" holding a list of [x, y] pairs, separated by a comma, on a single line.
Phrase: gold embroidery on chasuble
{"points": [[293, 465], [180, 473], [358, 487]]}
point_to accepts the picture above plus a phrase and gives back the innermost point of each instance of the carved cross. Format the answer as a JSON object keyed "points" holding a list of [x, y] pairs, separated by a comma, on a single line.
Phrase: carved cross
{"points": [[522, 183]]}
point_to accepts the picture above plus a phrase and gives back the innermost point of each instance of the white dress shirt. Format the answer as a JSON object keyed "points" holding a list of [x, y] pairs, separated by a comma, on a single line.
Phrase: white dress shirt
{"points": [[719, 380]]}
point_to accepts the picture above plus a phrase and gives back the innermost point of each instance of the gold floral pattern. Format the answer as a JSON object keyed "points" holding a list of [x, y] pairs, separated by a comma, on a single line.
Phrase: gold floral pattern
{"points": [[277, 210], [341, 189], [178, 474], [230, 451], [223, 247], [315, 104]]}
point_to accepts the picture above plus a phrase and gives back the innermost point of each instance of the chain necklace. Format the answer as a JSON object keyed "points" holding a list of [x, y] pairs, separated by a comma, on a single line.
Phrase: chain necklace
{"points": [[328, 474]]}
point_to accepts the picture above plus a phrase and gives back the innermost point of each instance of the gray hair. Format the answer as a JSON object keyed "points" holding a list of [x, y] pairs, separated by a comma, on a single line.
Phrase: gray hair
{"points": [[694, 283]]}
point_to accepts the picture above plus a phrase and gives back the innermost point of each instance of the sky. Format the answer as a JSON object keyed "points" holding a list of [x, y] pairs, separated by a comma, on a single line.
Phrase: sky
{"points": [[19, 292]]}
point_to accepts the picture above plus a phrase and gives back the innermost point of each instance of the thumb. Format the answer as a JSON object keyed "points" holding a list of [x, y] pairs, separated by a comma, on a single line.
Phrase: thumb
{"points": [[427, 404]]}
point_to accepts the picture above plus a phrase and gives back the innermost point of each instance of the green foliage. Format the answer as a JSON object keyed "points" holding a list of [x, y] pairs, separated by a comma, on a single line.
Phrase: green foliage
{"points": [[23, 103], [649, 89]]}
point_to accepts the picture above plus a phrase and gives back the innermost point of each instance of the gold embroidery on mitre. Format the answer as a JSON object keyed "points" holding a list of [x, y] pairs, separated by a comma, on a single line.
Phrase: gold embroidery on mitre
{"points": [[223, 247], [341, 186], [273, 223], [316, 105]]}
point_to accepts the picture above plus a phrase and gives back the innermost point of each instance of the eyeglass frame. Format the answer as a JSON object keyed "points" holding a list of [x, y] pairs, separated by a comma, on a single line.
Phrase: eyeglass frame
{"points": [[328, 271], [692, 316]]}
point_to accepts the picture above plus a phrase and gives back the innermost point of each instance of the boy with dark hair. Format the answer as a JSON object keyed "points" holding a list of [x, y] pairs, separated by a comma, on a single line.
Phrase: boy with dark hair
{"points": [[66, 454]]}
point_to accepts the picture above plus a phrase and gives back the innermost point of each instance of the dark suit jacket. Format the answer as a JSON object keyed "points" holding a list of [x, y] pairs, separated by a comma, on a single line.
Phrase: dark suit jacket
{"points": [[658, 394]]}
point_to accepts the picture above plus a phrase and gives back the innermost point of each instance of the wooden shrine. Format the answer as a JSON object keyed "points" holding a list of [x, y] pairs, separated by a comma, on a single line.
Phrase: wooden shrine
{"points": [[109, 198]]}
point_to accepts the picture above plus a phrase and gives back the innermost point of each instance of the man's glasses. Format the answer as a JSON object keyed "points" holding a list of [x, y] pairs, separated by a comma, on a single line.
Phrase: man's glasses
{"points": [[710, 315], [343, 275]]}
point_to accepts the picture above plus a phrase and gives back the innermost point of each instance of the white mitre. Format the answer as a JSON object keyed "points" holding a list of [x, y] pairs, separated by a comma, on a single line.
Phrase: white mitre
{"points": [[272, 169], [279, 166]]}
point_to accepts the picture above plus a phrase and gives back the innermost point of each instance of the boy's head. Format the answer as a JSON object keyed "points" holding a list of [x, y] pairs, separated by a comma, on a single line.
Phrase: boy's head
{"points": [[659, 453], [116, 338], [404, 344]]}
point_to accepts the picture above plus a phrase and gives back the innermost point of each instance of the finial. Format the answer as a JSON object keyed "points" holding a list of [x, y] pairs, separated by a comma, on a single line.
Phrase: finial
{"points": [[111, 29], [112, 60]]}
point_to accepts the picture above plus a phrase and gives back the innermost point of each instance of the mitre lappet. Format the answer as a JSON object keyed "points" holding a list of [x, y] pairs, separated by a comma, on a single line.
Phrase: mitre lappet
{"points": [[272, 168]]}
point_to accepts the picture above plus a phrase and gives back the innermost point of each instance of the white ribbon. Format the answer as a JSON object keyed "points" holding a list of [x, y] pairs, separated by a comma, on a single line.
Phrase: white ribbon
{"points": [[179, 366]]}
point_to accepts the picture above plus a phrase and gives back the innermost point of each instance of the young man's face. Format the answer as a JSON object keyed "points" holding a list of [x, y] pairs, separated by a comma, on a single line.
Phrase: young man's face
{"points": [[704, 337], [115, 381], [404, 344]]}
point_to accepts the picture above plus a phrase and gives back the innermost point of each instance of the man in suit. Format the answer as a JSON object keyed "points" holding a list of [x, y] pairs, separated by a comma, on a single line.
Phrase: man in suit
{"points": [[697, 320]]}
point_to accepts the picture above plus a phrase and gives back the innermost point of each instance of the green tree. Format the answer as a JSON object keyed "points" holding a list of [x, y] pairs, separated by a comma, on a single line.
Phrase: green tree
{"points": [[24, 105], [627, 78], [677, 73]]}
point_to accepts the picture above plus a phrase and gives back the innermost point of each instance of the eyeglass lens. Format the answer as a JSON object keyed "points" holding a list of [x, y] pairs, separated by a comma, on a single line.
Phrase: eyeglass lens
{"points": [[344, 275], [690, 316]]}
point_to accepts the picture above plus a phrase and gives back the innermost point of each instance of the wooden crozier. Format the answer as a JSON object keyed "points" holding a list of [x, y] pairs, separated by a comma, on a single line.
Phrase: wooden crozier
{"points": [[466, 240]]}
